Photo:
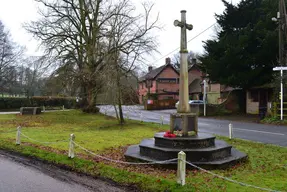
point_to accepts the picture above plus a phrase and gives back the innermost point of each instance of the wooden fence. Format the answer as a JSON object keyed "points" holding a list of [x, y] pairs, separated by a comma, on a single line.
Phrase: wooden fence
{"points": [[276, 109], [160, 104]]}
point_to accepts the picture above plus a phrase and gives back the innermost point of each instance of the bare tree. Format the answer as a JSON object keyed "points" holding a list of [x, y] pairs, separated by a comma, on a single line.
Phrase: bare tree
{"points": [[9, 54], [62, 82], [191, 55], [126, 58], [79, 32], [32, 74]]}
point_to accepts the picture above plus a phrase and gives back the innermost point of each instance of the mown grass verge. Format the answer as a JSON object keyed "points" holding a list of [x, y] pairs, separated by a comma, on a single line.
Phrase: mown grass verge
{"points": [[266, 166]]}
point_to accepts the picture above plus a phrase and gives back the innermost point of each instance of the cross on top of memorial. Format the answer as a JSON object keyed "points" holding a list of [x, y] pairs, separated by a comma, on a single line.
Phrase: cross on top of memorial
{"points": [[183, 106], [184, 26]]}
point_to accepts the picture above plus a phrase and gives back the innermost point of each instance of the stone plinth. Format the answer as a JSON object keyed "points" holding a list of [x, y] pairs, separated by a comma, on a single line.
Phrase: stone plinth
{"points": [[185, 122], [202, 149], [197, 141]]}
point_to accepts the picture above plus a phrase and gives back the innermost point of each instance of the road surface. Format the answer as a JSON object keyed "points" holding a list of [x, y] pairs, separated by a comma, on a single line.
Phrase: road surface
{"points": [[270, 134], [17, 112], [18, 174]]}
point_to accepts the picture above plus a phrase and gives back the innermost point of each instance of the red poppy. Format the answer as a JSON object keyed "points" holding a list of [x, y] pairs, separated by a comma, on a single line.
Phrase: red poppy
{"points": [[169, 134]]}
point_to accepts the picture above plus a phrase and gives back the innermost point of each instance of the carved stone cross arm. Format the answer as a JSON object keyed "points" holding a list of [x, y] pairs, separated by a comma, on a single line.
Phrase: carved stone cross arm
{"points": [[177, 23], [184, 26]]}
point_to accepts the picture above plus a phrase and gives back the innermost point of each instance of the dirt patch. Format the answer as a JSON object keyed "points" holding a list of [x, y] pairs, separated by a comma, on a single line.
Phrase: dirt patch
{"points": [[27, 121]]}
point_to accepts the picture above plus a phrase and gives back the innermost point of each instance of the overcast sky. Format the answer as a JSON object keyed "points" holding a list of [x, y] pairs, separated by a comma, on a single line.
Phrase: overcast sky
{"points": [[200, 13]]}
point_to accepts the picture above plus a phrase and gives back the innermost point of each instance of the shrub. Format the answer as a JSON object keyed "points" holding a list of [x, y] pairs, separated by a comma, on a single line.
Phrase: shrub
{"points": [[16, 103], [91, 110]]}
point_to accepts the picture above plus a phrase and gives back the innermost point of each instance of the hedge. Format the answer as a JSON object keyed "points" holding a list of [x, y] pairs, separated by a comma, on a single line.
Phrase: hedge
{"points": [[16, 103]]}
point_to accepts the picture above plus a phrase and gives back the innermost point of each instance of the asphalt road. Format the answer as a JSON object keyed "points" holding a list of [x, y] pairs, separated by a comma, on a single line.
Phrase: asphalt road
{"points": [[18, 174], [270, 134], [17, 112]]}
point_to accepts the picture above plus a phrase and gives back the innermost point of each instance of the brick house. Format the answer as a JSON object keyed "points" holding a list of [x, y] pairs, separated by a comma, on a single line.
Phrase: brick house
{"points": [[165, 82]]}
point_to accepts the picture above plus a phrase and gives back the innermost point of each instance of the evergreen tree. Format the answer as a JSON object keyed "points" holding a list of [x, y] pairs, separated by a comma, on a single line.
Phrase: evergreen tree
{"points": [[246, 47]]}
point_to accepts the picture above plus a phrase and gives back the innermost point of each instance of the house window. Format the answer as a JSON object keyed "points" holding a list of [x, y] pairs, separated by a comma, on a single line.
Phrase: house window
{"points": [[168, 97], [254, 96], [167, 80], [270, 94]]}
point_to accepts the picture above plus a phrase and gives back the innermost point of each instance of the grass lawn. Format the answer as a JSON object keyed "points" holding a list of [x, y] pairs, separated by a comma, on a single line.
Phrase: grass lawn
{"points": [[266, 167]]}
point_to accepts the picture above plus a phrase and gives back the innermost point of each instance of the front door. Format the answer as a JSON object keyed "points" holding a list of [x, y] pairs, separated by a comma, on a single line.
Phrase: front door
{"points": [[263, 100]]}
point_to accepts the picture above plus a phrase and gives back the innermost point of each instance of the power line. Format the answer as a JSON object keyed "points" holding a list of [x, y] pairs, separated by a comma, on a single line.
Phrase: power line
{"points": [[187, 42]]}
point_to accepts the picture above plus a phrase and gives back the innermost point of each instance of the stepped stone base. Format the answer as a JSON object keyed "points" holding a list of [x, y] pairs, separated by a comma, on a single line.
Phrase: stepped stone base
{"points": [[201, 150]]}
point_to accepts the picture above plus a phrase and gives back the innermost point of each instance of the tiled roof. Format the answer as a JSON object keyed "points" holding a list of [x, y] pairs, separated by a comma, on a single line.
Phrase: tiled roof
{"points": [[155, 72]]}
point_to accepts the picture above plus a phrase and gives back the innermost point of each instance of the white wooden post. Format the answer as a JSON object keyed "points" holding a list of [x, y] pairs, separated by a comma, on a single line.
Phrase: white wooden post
{"points": [[63, 107], [281, 69], [204, 97], [72, 146], [44, 108], [181, 168], [141, 117], [230, 131], [281, 104], [18, 136], [161, 120]]}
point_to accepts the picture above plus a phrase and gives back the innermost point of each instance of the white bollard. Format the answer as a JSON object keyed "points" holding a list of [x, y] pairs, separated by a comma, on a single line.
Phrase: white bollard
{"points": [[141, 117], [44, 109], [18, 136], [63, 107], [181, 168], [230, 131], [161, 120], [72, 146]]}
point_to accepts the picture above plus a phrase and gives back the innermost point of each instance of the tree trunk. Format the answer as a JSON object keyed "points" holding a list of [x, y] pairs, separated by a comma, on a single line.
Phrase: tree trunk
{"points": [[117, 114], [90, 97], [121, 119]]}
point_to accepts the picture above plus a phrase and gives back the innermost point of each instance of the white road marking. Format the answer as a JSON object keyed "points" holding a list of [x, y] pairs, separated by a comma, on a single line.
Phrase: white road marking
{"points": [[251, 130], [204, 124]]}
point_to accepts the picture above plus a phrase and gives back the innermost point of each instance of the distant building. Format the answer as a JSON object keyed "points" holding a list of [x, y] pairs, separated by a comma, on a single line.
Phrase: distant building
{"points": [[165, 82], [258, 98]]}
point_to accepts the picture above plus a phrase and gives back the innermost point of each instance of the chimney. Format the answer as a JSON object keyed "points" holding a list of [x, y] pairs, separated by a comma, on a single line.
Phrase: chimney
{"points": [[149, 68], [167, 61], [193, 61]]}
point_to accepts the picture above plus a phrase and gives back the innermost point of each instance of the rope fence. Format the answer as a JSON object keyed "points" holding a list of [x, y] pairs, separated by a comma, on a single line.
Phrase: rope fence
{"points": [[181, 160], [45, 142], [124, 162]]}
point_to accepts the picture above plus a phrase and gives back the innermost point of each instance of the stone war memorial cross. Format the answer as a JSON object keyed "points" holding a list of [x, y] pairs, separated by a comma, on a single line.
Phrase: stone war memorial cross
{"points": [[187, 145], [183, 121]]}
